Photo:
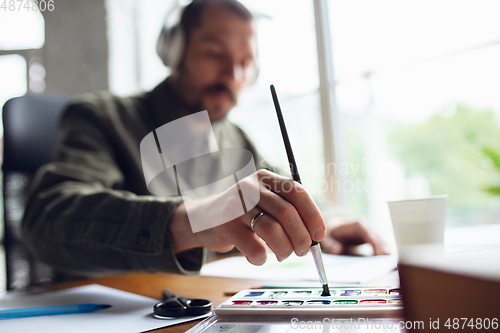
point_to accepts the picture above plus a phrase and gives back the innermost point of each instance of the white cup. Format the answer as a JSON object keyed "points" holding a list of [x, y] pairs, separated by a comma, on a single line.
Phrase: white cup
{"points": [[418, 221]]}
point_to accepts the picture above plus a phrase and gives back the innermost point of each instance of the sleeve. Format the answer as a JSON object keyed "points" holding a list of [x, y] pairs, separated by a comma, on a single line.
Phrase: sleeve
{"points": [[79, 219]]}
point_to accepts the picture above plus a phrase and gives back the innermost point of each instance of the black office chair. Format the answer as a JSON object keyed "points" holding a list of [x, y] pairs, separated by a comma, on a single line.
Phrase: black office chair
{"points": [[30, 127]]}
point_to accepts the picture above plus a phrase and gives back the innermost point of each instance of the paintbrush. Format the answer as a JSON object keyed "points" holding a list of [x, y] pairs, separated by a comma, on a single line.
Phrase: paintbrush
{"points": [[315, 247]]}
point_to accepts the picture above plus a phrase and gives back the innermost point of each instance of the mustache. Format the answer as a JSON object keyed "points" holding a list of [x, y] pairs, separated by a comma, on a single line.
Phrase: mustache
{"points": [[218, 88]]}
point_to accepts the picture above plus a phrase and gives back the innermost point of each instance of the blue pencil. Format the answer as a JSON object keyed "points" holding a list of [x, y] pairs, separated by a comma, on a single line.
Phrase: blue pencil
{"points": [[51, 310]]}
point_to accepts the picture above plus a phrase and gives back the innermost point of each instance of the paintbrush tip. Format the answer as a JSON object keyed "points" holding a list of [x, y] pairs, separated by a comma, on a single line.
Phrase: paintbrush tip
{"points": [[326, 290]]}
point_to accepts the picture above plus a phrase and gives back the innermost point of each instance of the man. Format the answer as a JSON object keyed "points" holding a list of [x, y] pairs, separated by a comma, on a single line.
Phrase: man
{"points": [[90, 211]]}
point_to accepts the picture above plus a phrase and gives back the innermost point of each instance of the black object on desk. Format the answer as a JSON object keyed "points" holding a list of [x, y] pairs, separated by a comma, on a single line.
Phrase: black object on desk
{"points": [[174, 306]]}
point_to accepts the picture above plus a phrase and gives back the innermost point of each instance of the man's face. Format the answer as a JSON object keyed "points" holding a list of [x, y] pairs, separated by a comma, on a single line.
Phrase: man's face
{"points": [[219, 61]]}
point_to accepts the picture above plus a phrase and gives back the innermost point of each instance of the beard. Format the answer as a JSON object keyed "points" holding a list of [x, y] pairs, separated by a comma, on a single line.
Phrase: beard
{"points": [[193, 99]]}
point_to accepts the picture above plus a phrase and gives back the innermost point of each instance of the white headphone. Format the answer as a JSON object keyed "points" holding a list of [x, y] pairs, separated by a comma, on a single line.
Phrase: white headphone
{"points": [[172, 40]]}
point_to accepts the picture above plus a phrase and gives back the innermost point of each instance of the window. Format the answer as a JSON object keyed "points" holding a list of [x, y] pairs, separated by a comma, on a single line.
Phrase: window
{"points": [[22, 31], [133, 29], [287, 59], [417, 87], [13, 79]]}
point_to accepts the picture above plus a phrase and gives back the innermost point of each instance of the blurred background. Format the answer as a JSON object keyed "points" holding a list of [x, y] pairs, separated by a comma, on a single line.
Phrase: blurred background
{"points": [[383, 100]]}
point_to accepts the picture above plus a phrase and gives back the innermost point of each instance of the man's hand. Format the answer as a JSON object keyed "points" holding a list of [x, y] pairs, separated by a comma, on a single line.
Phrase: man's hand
{"points": [[291, 221], [351, 233]]}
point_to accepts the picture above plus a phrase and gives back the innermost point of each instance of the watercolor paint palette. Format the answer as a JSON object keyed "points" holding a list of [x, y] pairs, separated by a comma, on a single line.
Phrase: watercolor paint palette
{"points": [[342, 301]]}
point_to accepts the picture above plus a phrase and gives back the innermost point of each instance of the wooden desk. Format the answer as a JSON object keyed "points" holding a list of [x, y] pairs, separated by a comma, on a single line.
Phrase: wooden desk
{"points": [[152, 285], [208, 287], [213, 288]]}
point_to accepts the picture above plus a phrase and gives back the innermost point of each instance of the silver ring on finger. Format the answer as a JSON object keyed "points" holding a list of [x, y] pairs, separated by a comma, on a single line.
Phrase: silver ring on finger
{"points": [[255, 219]]}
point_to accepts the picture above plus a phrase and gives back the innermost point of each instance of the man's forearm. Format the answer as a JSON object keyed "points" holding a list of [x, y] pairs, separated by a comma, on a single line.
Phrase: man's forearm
{"points": [[82, 227]]}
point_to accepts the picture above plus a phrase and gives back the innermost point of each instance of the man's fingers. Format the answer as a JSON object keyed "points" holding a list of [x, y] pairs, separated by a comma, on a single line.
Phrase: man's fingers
{"points": [[351, 233], [284, 214], [355, 233], [331, 246], [379, 246], [248, 243], [298, 197], [357, 229], [272, 232], [290, 222]]}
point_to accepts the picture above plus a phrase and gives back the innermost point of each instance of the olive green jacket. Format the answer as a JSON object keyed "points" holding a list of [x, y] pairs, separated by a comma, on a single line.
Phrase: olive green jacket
{"points": [[89, 212]]}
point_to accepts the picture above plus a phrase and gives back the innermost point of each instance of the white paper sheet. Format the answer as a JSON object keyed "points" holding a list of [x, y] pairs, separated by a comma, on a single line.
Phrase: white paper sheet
{"points": [[339, 269], [129, 312]]}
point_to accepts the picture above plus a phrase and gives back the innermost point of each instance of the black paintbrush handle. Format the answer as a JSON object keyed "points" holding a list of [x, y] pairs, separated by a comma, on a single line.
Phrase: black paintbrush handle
{"points": [[291, 159]]}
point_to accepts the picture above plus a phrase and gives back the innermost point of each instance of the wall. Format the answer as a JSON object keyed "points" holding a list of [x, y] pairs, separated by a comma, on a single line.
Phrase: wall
{"points": [[75, 54]]}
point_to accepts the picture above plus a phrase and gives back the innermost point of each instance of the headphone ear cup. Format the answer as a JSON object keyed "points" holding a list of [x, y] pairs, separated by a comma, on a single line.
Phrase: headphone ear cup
{"points": [[170, 46], [176, 49], [162, 44]]}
